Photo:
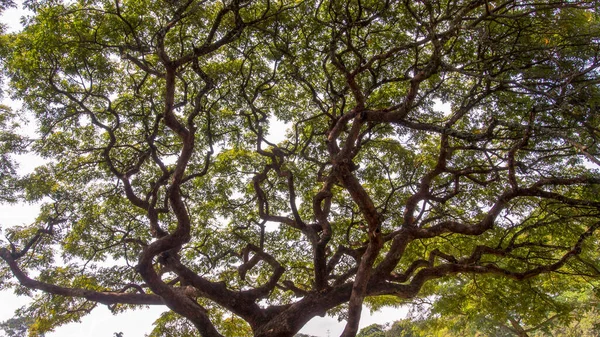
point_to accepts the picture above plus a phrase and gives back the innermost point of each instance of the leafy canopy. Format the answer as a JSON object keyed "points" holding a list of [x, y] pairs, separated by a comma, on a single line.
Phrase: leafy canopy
{"points": [[253, 164]]}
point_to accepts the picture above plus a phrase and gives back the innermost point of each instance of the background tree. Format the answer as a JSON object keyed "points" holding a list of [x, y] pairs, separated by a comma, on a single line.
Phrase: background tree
{"points": [[538, 307], [17, 327], [585, 323], [373, 330], [164, 185], [402, 328]]}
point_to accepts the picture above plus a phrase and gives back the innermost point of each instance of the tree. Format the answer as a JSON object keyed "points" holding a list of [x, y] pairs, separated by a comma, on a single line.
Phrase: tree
{"points": [[373, 330], [16, 327], [10, 141], [580, 321], [586, 324], [481, 305], [407, 328], [164, 184]]}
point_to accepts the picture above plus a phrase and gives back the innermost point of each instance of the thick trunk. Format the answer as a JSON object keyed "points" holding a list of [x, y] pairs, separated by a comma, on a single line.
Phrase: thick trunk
{"points": [[291, 320]]}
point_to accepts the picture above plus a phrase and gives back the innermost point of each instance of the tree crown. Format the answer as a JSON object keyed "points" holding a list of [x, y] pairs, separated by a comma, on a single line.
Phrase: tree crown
{"points": [[169, 179]]}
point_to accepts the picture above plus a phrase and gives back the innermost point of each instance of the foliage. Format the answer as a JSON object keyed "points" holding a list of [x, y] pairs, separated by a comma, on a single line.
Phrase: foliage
{"points": [[586, 324], [407, 328], [400, 328], [254, 164], [373, 330], [480, 305], [10, 143], [17, 327]]}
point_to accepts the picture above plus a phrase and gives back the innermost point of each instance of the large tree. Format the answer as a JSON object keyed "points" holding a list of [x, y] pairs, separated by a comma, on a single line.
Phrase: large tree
{"points": [[164, 184]]}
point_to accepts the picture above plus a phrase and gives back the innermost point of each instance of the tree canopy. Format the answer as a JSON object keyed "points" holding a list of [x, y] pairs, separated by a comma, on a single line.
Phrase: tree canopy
{"points": [[586, 325], [254, 164]]}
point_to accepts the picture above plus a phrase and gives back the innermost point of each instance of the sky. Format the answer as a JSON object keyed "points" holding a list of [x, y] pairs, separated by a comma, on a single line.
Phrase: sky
{"points": [[101, 322]]}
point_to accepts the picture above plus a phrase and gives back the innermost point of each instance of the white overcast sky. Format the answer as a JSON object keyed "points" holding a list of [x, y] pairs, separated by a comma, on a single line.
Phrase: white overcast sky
{"points": [[101, 323]]}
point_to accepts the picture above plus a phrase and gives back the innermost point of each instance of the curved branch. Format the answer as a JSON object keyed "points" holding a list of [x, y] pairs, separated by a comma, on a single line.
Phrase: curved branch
{"points": [[104, 297]]}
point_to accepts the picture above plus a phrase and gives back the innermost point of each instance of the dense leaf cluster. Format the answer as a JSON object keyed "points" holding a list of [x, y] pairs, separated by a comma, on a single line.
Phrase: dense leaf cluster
{"points": [[450, 326]]}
